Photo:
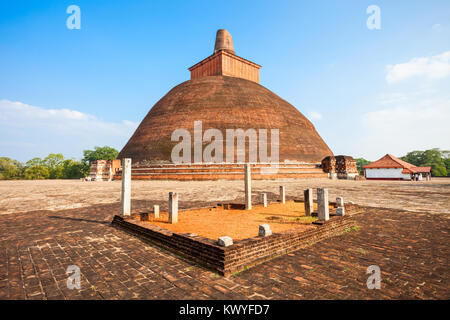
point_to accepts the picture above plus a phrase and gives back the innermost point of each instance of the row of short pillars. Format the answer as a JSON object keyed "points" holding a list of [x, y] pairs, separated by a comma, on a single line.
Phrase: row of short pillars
{"points": [[323, 212], [126, 195], [323, 209], [248, 190], [282, 197], [173, 209], [322, 198], [263, 231]]}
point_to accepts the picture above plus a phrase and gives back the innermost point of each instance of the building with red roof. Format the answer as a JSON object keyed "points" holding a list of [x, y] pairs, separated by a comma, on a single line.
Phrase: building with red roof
{"points": [[392, 168]]}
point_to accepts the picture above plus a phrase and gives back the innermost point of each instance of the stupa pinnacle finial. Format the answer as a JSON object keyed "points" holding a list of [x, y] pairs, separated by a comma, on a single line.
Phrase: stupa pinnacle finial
{"points": [[224, 41]]}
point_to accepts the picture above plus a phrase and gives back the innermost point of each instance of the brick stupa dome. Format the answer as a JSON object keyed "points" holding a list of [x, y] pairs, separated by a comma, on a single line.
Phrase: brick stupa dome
{"points": [[224, 93], [224, 102]]}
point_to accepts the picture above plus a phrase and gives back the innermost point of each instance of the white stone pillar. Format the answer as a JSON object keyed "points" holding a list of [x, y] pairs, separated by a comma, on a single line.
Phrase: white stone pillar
{"points": [[282, 194], [248, 187], [264, 230], [173, 207], [323, 207], [126, 186], [156, 211], [340, 211], [225, 241], [264, 199], [309, 202]]}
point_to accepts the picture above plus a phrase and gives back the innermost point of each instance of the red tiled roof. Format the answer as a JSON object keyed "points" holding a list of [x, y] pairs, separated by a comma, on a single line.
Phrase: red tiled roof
{"points": [[389, 161], [422, 169], [417, 170]]}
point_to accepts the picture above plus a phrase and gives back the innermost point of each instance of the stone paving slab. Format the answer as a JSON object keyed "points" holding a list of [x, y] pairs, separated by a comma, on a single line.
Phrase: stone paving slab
{"points": [[55, 195], [37, 247]]}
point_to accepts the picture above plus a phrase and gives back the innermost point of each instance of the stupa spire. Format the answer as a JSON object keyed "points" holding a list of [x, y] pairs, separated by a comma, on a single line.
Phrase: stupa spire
{"points": [[224, 62], [224, 41]]}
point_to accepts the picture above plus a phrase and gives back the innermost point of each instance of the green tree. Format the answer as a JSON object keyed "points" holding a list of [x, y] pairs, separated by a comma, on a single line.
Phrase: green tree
{"points": [[10, 169], [436, 159], [34, 162], [447, 165], [100, 153], [36, 169], [54, 163], [360, 163], [73, 169], [439, 171]]}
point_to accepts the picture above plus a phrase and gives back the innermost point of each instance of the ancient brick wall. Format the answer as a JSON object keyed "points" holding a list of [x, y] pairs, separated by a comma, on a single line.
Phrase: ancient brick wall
{"points": [[243, 253], [225, 171], [329, 164], [346, 164], [342, 167], [104, 170]]}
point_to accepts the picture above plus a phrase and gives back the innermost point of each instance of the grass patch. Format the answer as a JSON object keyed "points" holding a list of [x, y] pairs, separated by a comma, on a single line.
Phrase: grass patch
{"points": [[301, 220], [354, 228], [237, 273]]}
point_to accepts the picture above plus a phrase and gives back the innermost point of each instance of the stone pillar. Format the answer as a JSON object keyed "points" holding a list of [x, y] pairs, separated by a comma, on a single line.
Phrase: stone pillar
{"points": [[173, 207], [225, 241], [339, 202], [156, 211], [264, 230], [126, 186], [322, 199], [309, 203], [144, 216], [248, 187], [282, 195], [264, 199]]}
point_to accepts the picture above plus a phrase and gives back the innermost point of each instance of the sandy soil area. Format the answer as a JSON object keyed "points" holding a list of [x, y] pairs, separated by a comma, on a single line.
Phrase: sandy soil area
{"points": [[213, 223], [23, 196]]}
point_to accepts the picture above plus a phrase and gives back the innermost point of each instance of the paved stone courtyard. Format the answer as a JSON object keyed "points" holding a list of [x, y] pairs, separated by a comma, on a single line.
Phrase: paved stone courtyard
{"points": [[37, 244]]}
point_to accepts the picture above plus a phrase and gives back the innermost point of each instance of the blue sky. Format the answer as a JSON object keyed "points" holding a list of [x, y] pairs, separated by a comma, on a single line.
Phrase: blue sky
{"points": [[368, 92]]}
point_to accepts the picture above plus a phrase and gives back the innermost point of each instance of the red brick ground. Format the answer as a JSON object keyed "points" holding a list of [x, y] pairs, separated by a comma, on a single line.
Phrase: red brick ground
{"points": [[412, 250]]}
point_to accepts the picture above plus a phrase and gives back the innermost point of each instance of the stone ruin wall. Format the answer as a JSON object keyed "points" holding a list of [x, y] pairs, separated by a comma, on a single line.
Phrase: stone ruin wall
{"points": [[340, 167], [103, 170]]}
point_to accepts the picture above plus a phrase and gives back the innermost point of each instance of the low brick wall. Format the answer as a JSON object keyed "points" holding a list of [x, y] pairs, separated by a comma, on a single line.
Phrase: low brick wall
{"points": [[222, 171], [243, 253]]}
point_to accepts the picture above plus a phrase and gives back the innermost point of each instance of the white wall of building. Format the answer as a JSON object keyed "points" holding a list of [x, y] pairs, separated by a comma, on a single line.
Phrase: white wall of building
{"points": [[392, 173]]}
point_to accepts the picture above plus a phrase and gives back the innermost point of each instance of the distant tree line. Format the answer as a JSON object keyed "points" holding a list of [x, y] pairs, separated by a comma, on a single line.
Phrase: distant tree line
{"points": [[438, 160], [54, 166]]}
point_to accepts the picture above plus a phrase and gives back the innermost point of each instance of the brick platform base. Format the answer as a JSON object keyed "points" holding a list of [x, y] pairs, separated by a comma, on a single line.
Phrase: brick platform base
{"points": [[243, 253], [223, 171]]}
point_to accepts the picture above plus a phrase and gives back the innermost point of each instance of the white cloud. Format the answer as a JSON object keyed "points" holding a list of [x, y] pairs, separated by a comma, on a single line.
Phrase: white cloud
{"points": [[314, 115], [28, 131], [434, 67], [412, 126], [436, 27]]}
